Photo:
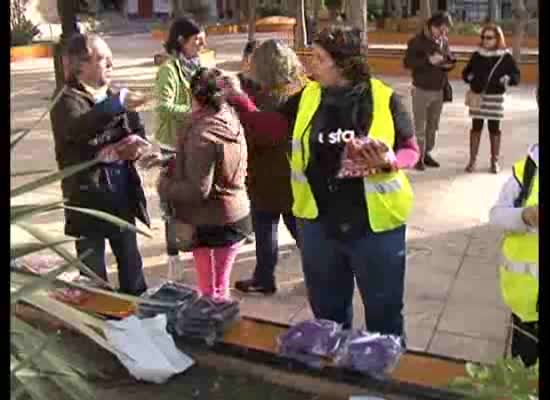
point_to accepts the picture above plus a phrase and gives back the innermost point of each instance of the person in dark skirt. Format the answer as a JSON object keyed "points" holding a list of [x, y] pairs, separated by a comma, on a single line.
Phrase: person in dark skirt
{"points": [[490, 70], [208, 188]]}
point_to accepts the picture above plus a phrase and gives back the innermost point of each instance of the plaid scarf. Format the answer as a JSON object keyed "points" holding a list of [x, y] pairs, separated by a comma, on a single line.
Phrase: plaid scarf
{"points": [[189, 65]]}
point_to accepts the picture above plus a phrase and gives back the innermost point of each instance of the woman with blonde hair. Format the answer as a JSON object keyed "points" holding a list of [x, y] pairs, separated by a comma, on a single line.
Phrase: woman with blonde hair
{"points": [[490, 70], [278, 72]]}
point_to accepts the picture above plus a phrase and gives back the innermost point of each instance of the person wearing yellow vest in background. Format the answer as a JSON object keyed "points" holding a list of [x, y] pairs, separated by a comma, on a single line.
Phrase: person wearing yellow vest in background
{"points": [[350, 229], [517, 211]]}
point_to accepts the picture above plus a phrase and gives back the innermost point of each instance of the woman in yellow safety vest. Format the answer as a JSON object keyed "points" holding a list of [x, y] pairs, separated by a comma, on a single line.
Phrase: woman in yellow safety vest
{"points": [[517, 211], [351, 229]]}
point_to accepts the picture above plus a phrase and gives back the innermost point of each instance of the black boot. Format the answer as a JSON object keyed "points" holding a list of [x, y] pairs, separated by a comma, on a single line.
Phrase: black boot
{"points": [[495, 151], [475, 138], [430, 162], [420, 166], [251, 286]]}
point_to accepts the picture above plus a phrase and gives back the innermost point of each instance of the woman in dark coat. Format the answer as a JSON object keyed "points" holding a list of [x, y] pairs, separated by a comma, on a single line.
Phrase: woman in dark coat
{"points": [[490, 70]]}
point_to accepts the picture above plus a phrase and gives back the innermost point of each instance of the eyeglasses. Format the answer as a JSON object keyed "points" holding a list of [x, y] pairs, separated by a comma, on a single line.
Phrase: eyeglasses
{"points": [[488, 37]]}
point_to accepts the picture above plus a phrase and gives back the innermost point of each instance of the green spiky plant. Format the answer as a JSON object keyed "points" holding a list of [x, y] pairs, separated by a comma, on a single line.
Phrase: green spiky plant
{"points": [[41, 368], [507, 379]]}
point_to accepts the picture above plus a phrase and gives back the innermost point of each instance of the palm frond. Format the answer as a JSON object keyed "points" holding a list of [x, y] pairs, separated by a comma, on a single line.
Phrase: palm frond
{"points": [[26, 211], [51, 178], [20, 134], [23, 249], [31, 172], [45, 237], [46, 280], [109, 218]]}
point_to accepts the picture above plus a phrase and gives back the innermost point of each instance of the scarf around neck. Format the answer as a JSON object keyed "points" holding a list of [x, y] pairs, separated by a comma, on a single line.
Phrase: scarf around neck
{"points": [[188, 65], [99, 94]]}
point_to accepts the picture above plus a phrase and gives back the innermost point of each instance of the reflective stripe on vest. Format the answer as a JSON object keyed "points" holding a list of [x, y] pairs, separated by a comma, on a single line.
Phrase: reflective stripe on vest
{"points": [[389, 196], [382, 187], [519, 270]]}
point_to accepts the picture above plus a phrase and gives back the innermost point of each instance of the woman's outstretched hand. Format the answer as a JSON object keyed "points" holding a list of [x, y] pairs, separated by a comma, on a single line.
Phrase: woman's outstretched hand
{"points": [[231, 86]]}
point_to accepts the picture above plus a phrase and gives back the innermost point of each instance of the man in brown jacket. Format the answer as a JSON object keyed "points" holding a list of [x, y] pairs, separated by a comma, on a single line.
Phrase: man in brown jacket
{"points": [[88, 120], [429, 58]]}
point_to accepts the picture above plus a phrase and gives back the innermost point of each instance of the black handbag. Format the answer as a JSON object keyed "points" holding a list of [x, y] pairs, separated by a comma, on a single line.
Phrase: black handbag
{"points": [[447, 92]]}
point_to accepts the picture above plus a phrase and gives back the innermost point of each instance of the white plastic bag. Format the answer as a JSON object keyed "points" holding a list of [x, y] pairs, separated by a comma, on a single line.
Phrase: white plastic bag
{"points": [[147, 350]]}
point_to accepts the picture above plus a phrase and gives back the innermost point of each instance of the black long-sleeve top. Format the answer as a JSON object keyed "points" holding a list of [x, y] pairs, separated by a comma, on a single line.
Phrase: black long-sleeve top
{"points": [[477, 71]]}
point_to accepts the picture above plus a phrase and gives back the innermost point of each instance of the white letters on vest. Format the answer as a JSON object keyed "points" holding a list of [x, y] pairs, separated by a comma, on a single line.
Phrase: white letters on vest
{"points": [[338, 136]]}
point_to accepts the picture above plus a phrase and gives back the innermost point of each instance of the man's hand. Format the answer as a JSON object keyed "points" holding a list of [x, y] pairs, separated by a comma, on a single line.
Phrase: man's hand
{"points": [[530, 216], [132, 147], [134, 100], [150, 160], [436, 59]]}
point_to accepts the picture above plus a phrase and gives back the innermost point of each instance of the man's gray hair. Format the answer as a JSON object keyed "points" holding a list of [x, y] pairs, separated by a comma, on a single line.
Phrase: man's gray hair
{"points": [[275, 64], [79, 50]]}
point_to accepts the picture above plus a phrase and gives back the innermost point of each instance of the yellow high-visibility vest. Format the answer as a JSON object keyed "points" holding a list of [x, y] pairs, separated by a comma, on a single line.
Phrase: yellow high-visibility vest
{"points": [[519, 270], [389, 196]]}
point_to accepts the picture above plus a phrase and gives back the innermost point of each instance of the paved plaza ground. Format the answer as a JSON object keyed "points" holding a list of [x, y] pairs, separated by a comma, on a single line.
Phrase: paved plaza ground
{"points": [[452, 299]]}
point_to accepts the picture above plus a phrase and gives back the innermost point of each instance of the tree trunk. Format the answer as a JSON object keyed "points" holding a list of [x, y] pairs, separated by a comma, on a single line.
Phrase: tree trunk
{"points": [[520, 15], [300, 29], [359, 17], [397, 8], [334, 7], [66, 10], [492, 4], [124, 9], [425, 10], [386, 8], [242, 8], [347, 9], [176, 9], [316, 11], [251, 20]]}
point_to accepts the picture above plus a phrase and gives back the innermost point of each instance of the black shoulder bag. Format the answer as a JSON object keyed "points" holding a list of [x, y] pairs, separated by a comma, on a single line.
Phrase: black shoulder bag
{"points": [[447, 92]]}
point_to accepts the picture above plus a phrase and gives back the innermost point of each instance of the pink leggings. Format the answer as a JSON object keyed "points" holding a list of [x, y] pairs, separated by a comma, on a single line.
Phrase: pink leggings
{"points": [[214, 265]]}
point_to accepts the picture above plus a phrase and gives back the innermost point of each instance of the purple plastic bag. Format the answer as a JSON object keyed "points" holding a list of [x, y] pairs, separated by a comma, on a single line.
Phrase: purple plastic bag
{"points": [[315, 337], [370, 353]]}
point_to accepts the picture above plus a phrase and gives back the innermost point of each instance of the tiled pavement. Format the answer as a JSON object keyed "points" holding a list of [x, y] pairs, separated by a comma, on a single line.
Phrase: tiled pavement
{"points": [[452, 298]]}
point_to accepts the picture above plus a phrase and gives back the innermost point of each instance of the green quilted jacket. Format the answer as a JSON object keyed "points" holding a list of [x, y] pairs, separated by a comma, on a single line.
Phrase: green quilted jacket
{"points": [[173, 96]]}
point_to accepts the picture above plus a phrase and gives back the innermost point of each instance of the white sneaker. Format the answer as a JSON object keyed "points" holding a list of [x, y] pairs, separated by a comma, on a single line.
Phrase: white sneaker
{"points": [[175, 268]]}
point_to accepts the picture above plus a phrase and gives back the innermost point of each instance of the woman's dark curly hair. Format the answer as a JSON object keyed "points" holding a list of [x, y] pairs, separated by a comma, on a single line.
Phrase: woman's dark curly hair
{"points": [[345, 47], [207, 88]]}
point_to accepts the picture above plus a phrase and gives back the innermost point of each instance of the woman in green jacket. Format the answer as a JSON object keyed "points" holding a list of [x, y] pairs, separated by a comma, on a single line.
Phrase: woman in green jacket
{"points": [[185, 40]]}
